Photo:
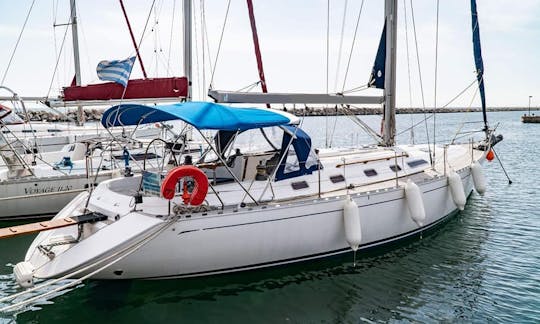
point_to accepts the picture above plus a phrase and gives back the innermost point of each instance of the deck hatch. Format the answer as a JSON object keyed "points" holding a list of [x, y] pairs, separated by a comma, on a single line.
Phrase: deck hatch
{"points": [[299, 185], [415, 163], [370, 172], [337, 178]]}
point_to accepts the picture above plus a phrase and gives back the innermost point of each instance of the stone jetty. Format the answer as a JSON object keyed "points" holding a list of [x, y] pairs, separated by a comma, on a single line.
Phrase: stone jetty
{"points": [[94, 114]]}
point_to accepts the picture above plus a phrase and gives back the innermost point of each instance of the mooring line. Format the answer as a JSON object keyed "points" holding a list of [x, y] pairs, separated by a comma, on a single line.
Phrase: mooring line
{"points": [[127, 251]]}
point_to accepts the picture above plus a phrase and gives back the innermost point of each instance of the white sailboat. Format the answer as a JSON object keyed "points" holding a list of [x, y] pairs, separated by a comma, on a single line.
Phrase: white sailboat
{"points": [[42, 189], [44, 165], [45, 136], [277, 202]]}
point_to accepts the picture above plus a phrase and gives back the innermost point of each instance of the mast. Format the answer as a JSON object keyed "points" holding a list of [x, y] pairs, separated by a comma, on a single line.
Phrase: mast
{"points": [[187, 46], [257, 48], [76, 59], [389, 114]]}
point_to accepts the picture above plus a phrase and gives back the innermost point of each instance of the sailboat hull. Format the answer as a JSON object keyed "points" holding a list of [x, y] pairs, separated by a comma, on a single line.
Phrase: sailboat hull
{"points": [[251, 238], [41, 197]]}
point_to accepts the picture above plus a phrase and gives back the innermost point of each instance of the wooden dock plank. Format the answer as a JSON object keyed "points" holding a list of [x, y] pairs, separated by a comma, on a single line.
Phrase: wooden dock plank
{"points": [[7, 232]]}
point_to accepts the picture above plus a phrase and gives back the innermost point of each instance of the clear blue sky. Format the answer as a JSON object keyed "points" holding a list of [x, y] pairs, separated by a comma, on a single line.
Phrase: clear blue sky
{"points": [[293, 41]]}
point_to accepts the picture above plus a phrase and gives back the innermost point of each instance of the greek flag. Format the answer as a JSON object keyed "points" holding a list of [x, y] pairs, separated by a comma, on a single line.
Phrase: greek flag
{"points": [[117, 70]]}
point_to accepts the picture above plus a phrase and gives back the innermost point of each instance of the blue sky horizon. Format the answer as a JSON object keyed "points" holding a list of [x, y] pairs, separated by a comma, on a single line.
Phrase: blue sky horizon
{"points": [[293, 41]]}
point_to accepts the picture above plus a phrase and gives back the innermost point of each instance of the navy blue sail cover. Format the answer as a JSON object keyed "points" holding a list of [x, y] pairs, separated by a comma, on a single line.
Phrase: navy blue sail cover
{"points": [[478, 58], [202, 115]]}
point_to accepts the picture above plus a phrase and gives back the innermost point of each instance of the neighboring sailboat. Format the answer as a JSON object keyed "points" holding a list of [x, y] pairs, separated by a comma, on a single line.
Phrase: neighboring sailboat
{"points": [[42, 137], [38, 182], [276, 202]]}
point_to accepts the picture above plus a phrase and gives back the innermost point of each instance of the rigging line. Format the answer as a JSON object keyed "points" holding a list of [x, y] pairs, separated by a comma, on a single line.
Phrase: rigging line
{"points": [[463, 118], [356, 89], [327, 42], [55, 14], [469, 107], [119, 255], [408, 66], [203, 49], [57, 60], [170, 39], [352, 46], [249, 87], [416, 124], [446, 105], [207, 39], [155, 33], [146, 24], [420, 79], [197, 71], [341, 43], [333, 128], [220, 41], [459, 94], [365, 127], [17, 43], [327, 63], [435, 80]]}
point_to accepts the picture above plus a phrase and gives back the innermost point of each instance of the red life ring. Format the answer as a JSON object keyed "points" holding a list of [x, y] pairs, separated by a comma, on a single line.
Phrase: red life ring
{"points": [[195, 198]]}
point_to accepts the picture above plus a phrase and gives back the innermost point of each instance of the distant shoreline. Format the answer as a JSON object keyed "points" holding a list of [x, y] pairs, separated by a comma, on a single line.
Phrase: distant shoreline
{"points": [[93, 114]]}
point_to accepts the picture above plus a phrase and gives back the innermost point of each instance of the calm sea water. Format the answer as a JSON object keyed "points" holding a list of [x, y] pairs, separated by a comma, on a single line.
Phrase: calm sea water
{"points": [[481, 266]]}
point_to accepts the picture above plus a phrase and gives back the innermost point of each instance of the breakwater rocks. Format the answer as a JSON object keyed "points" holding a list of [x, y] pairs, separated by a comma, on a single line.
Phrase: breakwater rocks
{"points": [[95, 114], [318, 111], [62, 116]]}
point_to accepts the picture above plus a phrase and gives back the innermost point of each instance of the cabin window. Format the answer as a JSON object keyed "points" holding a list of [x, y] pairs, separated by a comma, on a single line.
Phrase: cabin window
{"points": [[337, 178], [395, 168], [415, 163], [28, 130], [53, 130], [370, 172], [299, 185]]}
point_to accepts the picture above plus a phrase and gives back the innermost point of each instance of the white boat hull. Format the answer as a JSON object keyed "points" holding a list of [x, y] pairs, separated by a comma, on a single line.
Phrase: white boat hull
{"points": [[278, 236], [249, 238]]}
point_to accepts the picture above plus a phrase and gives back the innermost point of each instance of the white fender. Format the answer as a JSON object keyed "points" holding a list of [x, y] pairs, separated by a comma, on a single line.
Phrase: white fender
{"points": [[351, 221], [24, 274], [456, 189], [478, 178], [415, 202]]}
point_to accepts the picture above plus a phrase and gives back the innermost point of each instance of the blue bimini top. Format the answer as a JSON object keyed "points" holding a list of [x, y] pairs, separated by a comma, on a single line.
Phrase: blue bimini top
{"points": [[202, 115]]}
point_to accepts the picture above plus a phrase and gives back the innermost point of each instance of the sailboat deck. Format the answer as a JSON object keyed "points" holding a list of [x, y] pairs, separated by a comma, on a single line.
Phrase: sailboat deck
{"points": [[336, 177]]}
